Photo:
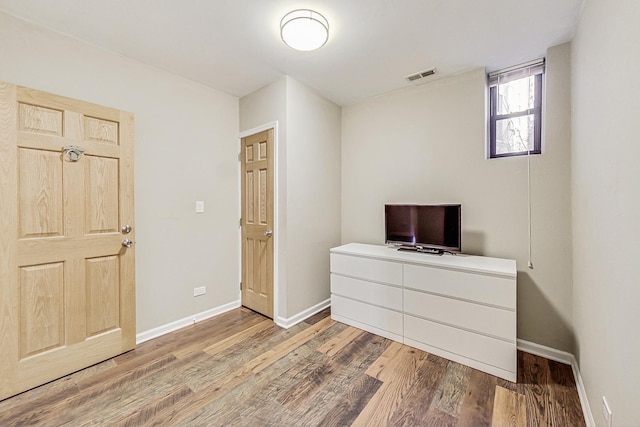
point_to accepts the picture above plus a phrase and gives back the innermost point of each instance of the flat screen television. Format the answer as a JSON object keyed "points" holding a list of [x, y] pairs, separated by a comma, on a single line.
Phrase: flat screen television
{"points": [[424, 226]]}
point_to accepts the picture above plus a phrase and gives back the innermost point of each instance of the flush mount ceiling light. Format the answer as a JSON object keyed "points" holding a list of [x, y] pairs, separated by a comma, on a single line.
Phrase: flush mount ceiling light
{"points": [[304, 29]]}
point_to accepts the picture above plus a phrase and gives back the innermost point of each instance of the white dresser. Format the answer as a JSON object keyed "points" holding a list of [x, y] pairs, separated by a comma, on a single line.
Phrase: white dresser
{"points": [[459, 307]]}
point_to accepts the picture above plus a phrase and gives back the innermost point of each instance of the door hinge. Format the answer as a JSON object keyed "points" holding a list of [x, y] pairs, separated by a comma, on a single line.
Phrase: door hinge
{"points": [[240, 285], [239, 157], [240, 222]]}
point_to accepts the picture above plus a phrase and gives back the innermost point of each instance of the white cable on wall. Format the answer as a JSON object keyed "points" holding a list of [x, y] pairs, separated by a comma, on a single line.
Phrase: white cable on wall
{"points": [[530, 264]]}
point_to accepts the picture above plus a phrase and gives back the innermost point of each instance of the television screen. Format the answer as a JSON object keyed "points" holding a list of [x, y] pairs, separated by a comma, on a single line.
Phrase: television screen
{"points": [[428, 226]]}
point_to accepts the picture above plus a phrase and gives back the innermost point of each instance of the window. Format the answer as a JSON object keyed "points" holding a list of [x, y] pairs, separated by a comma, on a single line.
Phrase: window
{"points": [[515, 110]]}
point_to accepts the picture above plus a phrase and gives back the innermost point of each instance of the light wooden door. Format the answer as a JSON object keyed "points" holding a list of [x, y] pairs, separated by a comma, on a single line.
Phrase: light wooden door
{"points": [[67, 291], [257, 222]]}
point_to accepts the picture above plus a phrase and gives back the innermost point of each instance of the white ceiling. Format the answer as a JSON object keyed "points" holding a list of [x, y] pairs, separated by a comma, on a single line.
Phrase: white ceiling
{"points": [[235, 45]]}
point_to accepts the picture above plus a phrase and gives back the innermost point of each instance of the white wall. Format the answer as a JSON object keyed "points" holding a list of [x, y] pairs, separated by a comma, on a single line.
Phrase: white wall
{"points": [[185, 150], [426, 145], [308, 187], [313, 188], [545, 294], [606, 205]]}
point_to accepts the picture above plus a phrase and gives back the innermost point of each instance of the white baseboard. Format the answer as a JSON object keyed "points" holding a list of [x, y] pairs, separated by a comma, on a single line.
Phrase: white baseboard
{"points": [[567, 359], [190, 320], [546, 352], [294, 320]]}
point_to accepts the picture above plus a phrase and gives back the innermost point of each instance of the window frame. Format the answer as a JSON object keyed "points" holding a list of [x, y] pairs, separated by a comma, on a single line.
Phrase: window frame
{"points": [[536, 111]]}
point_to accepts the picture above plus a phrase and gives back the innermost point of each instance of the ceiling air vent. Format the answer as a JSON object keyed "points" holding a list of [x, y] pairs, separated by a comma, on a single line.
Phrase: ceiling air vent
{"points": [[419, 78]]}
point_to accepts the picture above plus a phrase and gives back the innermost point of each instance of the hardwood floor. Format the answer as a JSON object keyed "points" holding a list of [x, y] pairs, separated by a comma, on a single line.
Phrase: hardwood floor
{"points": [[240, 369]]}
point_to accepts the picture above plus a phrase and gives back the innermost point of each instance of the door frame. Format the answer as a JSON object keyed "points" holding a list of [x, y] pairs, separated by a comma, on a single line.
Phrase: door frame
{"points": [[276, 235]]}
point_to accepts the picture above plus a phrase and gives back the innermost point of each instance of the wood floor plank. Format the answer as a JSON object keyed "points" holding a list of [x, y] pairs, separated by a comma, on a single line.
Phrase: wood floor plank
{"points": [[353, 402], [214, 339], [451, 390], [65, 410], [565, 406], [565, 401], [561, 374], [129, 371], [178, 413], [340, 341], [318, 375], [311, 381], [141, 415], [382, 368], [511, 386], [477, 406], [536, 376], [52, 392], [413, 409], [259, 363], [219, 365], [90, 407], [436, 418], [509, 409], [398, 375], [255, 397], [220, 346], [256, 394], [271, 356], [318, 316], [351, 364], [221, 326], [135, 405], [26, 411], [258, 397], [318, 372]]}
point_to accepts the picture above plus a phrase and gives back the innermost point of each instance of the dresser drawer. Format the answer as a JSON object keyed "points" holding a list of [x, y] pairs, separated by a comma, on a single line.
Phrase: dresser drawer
{"points": [[367, 269], [475, 317], [369, 292], [498, 291], [378, 317], [490, 351]]}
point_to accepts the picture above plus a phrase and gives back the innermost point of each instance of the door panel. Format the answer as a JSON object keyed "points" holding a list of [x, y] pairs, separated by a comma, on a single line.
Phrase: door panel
{"points": [[103, 299], [257, 222], [37, 119], [101, 201], [101, 130], [40, 190], [67, 291], [41, 308]]}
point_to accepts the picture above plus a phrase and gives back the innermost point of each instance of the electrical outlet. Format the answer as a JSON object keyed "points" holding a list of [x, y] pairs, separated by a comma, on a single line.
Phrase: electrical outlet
{"points": [[199, 206], [199, 291], [606, 412]]}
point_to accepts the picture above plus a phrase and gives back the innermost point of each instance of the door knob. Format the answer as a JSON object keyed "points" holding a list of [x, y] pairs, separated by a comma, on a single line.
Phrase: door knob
{"points": [[127, 243], [126, 229], [268, 233]]}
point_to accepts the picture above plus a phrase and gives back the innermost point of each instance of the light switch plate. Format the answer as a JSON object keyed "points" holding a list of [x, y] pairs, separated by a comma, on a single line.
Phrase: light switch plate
{"points": [[199, 206]]}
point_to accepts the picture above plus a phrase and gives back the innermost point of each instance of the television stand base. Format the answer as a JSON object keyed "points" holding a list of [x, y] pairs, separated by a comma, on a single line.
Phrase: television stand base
{"points": [[432, 251]]}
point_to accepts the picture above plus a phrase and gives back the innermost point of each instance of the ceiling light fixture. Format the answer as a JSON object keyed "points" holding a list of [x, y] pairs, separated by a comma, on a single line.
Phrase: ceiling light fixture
{"points": [[304, 29]]}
